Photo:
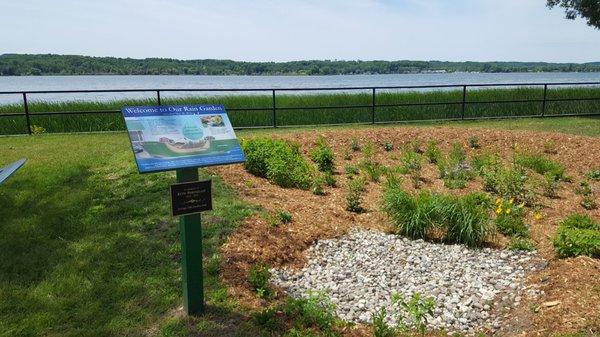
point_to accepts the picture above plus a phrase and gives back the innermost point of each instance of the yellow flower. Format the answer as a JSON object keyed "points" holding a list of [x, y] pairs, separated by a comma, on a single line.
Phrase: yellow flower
{"points": [[521, 205], [538, 216], [511, 201], [498, 210], [498, 201], [508, 210]]}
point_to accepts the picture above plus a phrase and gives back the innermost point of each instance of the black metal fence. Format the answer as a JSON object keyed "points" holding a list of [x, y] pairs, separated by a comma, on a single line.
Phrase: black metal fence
{"points": [[374, 105]]}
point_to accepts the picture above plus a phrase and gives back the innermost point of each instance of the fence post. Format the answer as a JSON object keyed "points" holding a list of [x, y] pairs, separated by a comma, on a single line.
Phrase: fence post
{"points": [[544, 100], [464, 102], [26, 108], [373, 107], [158, 96], [274, 110]]}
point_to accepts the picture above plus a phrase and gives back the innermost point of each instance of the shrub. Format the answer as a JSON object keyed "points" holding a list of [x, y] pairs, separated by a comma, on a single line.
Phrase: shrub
{"points": [[258, 277], [474, 142], [578, 235], [356, 188], [463, 219], [520, 243], [314, 311], [541, 165], [510, 218], [279, 161], [323, 156], [433, 153]]}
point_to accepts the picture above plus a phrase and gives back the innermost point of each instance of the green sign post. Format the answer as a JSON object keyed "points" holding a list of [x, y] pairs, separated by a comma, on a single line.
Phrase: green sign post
{"points": [[184, 138], [190, 231]]}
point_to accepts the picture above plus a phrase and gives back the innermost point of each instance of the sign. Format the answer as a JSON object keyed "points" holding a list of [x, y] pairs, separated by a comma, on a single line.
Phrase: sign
{"points": [[7, 171], [172, 137], [191, 197]]}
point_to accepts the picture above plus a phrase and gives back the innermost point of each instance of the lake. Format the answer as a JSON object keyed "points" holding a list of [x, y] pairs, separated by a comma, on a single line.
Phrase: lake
{"points": [[31, 83]]}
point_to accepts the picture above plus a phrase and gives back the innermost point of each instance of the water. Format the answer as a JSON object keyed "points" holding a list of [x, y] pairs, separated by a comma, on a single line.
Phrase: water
{"points": [[31, 83]]}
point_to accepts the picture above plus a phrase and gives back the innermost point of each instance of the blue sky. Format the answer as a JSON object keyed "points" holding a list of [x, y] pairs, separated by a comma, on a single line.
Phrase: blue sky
{"points": [[269, 30]]}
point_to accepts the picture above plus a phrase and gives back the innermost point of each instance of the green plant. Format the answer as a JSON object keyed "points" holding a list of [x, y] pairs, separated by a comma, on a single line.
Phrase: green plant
{"points": [[550, 185], [588, 202], [584, 189], [347, 155], [474, 142], [506, 182], [593, 175], [521, 243], [372, 169], [411, 164], [316, 310], [37, 130], [541, 165], [356, 188], [455, 171], [432, 152], [416, 146], [418, 309], [329, 179], [258, 277], [355, 145], [213, 265], [322, 154], [462, 219], [485, 161], [510, 218], [284, 217], [351, 170], [380, 326], [550, 147], [317, 185], [279, 161], [267, 319], [388, 147], [578, 234]]}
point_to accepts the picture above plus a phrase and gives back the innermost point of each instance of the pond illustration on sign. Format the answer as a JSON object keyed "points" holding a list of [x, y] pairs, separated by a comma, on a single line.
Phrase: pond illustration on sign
{"points": [[163, 140]]}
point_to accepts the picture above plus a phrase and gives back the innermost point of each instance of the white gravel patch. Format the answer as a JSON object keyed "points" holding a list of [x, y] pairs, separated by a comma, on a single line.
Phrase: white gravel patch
{"points": [[362, 270]]}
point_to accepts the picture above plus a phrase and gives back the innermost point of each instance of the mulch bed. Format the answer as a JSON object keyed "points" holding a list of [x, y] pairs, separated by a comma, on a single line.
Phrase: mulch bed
{"points": [[575, 283]]}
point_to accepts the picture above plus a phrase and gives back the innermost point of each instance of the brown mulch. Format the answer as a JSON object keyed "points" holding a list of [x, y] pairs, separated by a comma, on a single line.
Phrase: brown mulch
{"points": [[573, 282]]}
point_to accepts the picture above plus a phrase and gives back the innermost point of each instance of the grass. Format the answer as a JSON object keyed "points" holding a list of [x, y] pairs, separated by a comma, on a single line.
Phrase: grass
{"points": [[294, 110], [89, 247]]}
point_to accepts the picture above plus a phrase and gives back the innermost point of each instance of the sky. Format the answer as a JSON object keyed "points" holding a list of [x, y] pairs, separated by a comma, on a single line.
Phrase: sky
{"points": [[270, 30]]}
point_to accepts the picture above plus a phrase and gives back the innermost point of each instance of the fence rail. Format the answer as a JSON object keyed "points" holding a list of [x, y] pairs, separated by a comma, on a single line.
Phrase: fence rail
{"points": [[373, 106]]}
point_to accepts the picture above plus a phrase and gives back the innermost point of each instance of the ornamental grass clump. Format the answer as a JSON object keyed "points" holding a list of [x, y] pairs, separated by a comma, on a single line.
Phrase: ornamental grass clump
{"points": [[578, 235], [280, 161], [427, 215]]}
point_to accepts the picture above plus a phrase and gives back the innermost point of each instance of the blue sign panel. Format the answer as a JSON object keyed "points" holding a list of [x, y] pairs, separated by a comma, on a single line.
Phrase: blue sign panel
{"points": [[169, 137], [7, 171]]}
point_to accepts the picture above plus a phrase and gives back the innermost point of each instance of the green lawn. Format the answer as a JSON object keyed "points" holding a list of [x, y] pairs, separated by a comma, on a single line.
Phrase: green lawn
{"points": [[89, 247]]}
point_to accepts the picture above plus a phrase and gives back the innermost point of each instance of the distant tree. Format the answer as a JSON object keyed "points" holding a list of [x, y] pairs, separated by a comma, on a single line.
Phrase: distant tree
{"points": [[587, 9]]}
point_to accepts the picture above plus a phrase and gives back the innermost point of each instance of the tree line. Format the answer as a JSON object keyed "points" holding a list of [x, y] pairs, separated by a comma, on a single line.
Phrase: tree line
{"points": [[49, 64]]}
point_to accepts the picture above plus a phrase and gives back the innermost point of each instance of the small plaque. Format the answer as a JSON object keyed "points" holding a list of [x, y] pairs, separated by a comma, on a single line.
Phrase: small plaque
{"points": [[192, 197]]}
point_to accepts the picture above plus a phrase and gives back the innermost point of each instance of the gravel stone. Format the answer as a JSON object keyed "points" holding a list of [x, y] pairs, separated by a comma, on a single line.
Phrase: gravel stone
{"points": [[362, 270]]}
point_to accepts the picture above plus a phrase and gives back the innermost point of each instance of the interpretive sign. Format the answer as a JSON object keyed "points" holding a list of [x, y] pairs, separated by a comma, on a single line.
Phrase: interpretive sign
{"points": [[179, 136], [7, 171], [191, 197]]}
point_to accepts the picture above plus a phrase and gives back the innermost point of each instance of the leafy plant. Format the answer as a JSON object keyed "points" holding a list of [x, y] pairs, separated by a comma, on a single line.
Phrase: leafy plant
{"points": [[455, 171], [485, 161], [506, 182], [416, 146], [284, 217], [588, 202], [541, 165], [388, 147], [322, 154], [380, 326], [279, 161], [372, 169], [267, 319], [347, 155], [584, 188], [474, 142], [258, 277], [356, 188], [329, 179], [550, 185], [411, 164], [316, 310], [522, 244], [317, 185], [418, 309], [578, 235], [351, 170], [432, 152], [354, 145], [550, 147], [593, 175], [510, 218]]}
